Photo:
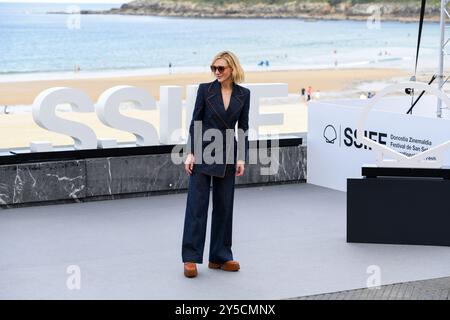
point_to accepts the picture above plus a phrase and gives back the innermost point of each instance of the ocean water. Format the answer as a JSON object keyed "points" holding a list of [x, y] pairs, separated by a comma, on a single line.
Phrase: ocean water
{"points": [[35, 44]]}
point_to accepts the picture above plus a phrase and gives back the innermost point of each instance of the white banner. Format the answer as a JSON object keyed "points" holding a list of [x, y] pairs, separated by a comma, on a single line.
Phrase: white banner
{"points": [[333, 152]]}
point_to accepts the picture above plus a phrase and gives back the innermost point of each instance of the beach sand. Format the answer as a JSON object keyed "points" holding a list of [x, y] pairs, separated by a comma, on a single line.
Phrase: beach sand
{"points": [[19, 129], [23, 93]]}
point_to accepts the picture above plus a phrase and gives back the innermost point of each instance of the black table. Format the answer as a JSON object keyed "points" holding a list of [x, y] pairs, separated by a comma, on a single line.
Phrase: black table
{"points": [[399, 206]]}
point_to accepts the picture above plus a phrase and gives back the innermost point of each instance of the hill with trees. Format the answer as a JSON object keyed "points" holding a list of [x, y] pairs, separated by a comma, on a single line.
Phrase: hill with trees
{"points": [[397, 10]]}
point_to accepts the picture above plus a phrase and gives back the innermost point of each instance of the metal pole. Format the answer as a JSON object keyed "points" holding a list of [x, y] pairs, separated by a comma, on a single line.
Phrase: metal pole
{"points": [[441, 56]]}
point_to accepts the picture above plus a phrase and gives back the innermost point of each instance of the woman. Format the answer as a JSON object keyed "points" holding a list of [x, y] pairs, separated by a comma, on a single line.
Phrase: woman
{"points": [[219, 105]]}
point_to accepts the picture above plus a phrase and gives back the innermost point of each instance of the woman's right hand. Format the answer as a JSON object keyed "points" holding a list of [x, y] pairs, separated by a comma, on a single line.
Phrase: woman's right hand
{"points": [[189, 163]]}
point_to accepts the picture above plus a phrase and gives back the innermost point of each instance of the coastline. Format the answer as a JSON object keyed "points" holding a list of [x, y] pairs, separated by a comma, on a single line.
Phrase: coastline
{"points": [[307, 18], [400, 11], [399, 63]]}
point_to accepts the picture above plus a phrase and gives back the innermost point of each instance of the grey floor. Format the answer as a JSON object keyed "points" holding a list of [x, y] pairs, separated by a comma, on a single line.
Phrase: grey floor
{"points": [[290, 240]]}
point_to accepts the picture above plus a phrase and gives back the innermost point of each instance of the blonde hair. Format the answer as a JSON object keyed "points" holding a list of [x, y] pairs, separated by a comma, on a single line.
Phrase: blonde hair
{"points": [[238, 73]]}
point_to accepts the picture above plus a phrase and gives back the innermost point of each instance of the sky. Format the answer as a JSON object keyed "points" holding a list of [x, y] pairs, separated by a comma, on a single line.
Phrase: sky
{"points": [[66, 1]]}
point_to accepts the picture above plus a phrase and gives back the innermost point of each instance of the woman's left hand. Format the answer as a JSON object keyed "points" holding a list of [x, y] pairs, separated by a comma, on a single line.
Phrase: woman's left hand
{"points": [[239, 169]]}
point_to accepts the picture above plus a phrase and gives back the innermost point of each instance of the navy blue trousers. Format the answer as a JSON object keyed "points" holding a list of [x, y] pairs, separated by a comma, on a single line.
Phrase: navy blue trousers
{"points": [[197, 213]]}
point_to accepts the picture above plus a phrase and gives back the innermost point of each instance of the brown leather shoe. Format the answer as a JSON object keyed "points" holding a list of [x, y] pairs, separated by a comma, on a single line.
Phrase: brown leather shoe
{"points": [[190, 269], [226, 266]]}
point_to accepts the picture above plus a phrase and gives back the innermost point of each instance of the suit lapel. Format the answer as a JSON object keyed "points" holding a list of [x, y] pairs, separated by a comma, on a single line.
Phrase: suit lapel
{"points": [[237, 101], [215, 102]]}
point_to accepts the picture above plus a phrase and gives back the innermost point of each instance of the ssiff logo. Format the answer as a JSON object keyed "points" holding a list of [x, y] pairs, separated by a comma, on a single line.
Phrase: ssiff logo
{"points": [[330, 134]]}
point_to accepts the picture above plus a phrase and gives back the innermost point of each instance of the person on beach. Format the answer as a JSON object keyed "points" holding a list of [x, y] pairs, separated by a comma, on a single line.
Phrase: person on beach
{"points": [[219, 105], [308, 93]]}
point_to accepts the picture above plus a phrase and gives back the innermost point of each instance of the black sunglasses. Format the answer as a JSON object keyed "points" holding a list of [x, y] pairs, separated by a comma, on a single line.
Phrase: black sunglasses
{"points": [[220, 68]]}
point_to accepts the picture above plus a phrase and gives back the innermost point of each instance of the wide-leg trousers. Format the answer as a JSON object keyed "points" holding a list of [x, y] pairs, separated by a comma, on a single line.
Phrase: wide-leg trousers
{"points": [[197, 213]]}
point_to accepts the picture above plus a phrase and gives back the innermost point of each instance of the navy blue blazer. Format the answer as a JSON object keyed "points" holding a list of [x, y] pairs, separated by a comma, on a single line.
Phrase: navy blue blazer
{"points": [[210, 110]]}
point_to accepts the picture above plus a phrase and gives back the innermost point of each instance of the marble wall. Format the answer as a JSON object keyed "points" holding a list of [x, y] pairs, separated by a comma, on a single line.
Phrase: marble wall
{"points": [[129, 176]]}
